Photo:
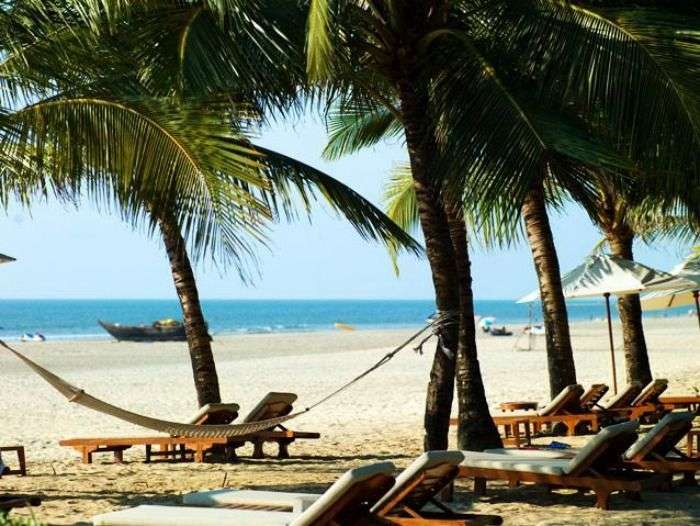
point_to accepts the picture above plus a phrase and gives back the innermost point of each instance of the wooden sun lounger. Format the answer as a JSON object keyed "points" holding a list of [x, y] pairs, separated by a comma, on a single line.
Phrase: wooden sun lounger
{"points": [[597, 467], [273, 405], [646, 406], [403, 504], [657, 450], [21, 468], [688, 402], [175, 448]]}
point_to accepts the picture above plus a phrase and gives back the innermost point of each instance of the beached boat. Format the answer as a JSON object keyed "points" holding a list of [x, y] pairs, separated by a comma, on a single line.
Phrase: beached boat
{"points": [[159, 331]]}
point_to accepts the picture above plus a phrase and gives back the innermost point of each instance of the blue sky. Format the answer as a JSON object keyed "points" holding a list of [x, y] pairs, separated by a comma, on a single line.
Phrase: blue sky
{"points": [[68, 253]]}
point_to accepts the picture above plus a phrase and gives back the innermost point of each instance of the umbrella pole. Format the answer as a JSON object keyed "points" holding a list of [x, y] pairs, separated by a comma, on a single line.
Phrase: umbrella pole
{"points": [[697, 303], [612, 344]]}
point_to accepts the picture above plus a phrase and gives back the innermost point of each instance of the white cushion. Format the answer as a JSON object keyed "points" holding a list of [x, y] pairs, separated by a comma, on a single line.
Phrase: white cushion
{"points": [[270, 398], [532, 453], [644, 440], [553, 405], [296, 502], [182, 516], [213, 408], [660, 384], [546, 466], [426, 462], [614, 401], [339, 489], [604, 435]]}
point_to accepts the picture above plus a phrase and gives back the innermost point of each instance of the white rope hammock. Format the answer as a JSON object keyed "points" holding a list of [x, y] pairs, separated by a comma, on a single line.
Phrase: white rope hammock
{"points": [[79, 396]]}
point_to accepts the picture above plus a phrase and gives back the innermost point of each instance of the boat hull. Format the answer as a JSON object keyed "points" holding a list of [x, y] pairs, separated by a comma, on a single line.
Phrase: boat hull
{"points": [[130, 333]]}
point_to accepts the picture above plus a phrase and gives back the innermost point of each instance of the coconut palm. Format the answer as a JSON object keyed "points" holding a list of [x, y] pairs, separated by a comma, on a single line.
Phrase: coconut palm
{"points": [[530, 148], [86, 123]]}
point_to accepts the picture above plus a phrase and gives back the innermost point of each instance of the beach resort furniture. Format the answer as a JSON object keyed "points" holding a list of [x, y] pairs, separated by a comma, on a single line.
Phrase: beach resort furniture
{"points": [[693, 443], [21, 468], [215, 413], [347, 502], [623, 398], [565, 409], [590, 399], [597, 467], [9, 502], [687, 402], [174, 448], [645, 406], [657, 450], [273, 405], [403, 504]]}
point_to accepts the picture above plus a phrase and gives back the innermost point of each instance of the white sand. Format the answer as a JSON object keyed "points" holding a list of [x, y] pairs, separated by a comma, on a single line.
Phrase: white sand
{"points": [[381, 418]]}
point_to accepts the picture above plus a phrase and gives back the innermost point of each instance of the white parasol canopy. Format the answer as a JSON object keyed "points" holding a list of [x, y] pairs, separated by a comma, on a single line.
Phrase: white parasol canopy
{"points": [[603, 275], [688, 270]]}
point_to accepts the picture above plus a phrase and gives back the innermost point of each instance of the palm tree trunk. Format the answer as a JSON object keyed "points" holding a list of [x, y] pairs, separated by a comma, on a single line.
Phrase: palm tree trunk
{"points": [[476, 428], [206, 380], [621, 240], [560, 358], [448, 292]]}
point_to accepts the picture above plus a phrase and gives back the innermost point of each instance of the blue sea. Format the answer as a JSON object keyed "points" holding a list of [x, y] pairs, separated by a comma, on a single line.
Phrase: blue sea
{"points": [[73, 319]]}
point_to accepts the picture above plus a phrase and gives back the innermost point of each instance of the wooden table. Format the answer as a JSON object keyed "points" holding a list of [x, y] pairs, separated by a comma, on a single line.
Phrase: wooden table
{"points": [[689, 402], [518, 406], [694, 443], [19, 450]]}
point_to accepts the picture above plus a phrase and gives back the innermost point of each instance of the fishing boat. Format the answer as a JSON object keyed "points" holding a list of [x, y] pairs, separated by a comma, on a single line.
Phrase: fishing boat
{"points": [[159, 331]]}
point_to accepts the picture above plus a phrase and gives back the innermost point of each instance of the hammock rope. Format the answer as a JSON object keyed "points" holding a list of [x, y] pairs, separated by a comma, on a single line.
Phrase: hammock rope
{"points": [[79, 396]]}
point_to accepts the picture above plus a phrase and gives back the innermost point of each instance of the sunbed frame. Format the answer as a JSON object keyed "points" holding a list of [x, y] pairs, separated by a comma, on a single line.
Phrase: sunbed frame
{"points": [[9, 502], [669, 436], [586, 475], [405, 508]]}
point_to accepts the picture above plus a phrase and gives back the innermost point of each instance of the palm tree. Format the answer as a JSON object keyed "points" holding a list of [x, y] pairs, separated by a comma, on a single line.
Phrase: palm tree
{"points": [[627, 214], [547, 147], [184, 169]]}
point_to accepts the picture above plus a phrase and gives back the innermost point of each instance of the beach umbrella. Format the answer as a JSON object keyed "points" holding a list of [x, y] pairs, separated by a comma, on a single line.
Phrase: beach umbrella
{"points": [[605, 275], [689, 270], [6, 259]]}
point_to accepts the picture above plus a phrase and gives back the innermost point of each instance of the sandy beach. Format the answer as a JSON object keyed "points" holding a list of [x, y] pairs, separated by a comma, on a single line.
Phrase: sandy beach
{"points": [[378, 419]]}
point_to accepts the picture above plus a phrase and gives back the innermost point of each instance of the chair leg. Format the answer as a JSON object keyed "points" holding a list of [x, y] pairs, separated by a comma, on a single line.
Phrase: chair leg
{"points": [[602, 499], [258, 449], [479, 487], [283, 451], [689, 479], [22, 462]]}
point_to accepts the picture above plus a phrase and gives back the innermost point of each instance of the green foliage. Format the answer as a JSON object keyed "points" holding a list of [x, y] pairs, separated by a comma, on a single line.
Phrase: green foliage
{"points": [[19, 521]]}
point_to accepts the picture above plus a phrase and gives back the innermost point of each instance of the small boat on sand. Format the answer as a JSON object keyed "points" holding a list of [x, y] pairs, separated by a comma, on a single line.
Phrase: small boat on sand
{"points": [[159, 331], [29, 337]]}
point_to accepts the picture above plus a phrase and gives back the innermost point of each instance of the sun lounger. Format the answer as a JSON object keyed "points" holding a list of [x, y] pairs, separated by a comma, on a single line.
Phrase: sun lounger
{"points": [[174, 448], [221, 414], [403, 504], [623, 398], [273, 405], [347, 501], [591, 398], [645, 406], [565, 409], [21, 466], [597, 467], [657, 449]]}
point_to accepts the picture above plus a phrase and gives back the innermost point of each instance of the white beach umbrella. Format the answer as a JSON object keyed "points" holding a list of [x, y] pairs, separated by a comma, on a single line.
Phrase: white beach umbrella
{"points": [[688, 270], [603, 275]]}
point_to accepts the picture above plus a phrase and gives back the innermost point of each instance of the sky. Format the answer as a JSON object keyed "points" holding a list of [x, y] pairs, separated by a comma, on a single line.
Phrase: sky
{"points": [[64, 253]]}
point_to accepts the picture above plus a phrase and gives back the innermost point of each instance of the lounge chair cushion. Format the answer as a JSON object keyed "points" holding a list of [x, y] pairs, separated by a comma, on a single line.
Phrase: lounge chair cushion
{"points": [[615, 402], [296, 502], [339, 489], [604, 435], [546, 466], [261, 412], [213, 408], [555, 404], [182, 516], [651, 392], [426, 462], [644, 441], [532, 453]]}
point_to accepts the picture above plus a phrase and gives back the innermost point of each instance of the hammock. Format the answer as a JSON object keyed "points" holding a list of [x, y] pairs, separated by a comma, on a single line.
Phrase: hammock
{"points": [[79, 396]]}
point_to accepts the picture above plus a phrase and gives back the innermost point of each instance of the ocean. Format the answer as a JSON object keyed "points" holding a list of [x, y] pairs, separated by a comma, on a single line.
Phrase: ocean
{"points": [[77, 319]]}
